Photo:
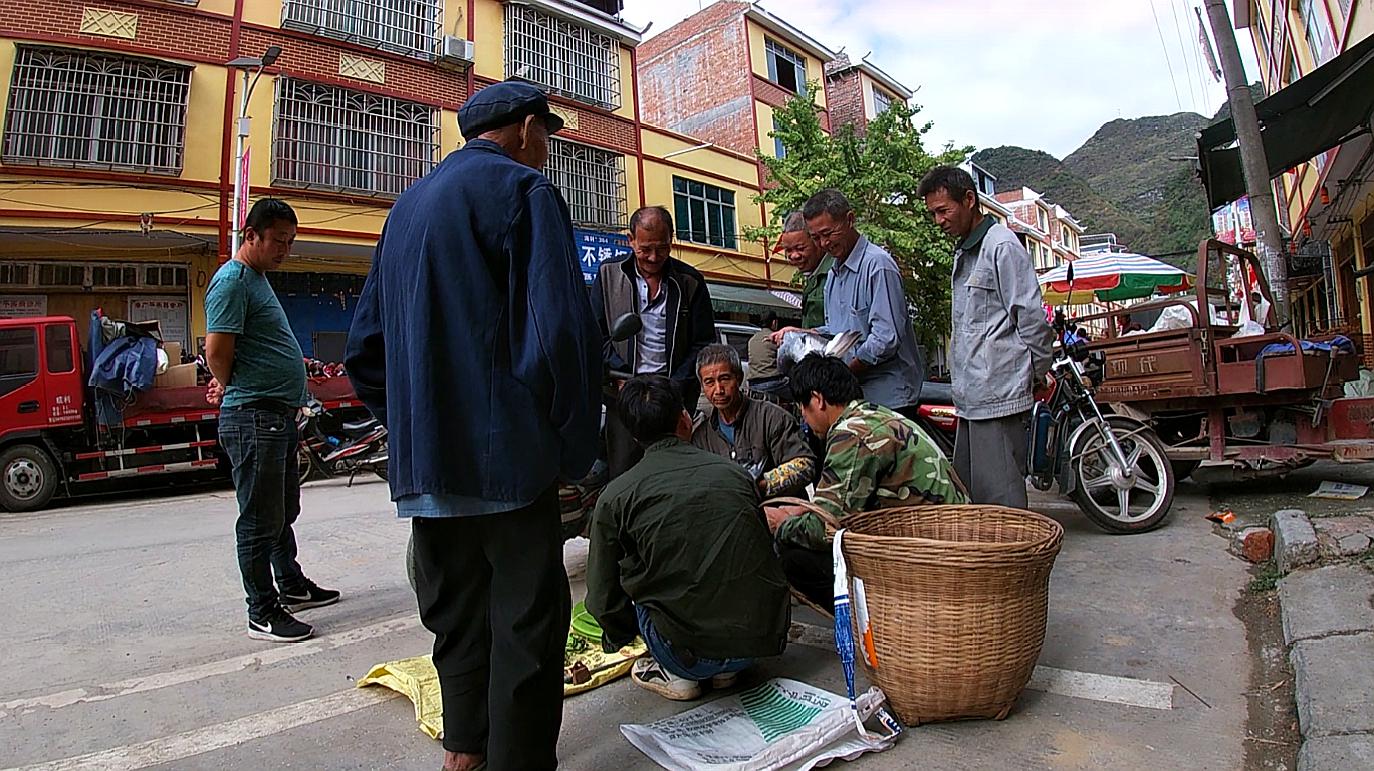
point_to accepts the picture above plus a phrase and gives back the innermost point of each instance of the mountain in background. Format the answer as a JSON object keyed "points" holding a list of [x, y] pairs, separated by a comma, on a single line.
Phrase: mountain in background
{"points": [[1122, 181]]}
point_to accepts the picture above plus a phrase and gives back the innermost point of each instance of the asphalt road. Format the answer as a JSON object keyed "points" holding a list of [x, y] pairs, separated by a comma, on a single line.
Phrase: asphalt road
{"points": [[125, 648]]}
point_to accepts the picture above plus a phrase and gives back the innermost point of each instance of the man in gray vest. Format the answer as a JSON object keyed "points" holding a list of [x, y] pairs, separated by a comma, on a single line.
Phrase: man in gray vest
{"points": [[1000, 344]]}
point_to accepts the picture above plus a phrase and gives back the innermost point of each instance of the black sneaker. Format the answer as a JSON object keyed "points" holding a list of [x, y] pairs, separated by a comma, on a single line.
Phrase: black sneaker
{"points": [[279, 626], [311, 596]]}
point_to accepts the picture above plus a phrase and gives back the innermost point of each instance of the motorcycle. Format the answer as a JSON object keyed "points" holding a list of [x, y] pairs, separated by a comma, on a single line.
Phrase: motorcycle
{"points": [[330, 447], [1114, 467]]}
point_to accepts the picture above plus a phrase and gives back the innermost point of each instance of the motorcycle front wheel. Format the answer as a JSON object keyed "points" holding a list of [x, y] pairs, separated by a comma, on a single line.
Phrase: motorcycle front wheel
{"points": [[1131, 500], [305, 463], [380, 470], [410, 560]]}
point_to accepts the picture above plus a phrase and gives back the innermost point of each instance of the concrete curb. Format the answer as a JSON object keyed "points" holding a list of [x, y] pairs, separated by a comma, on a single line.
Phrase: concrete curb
{"points": [[1337, 752], [1295, 540], [1328, 620]]}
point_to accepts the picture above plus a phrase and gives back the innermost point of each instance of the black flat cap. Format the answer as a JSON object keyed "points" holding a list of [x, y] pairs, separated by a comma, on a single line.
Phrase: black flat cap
{"points": [[502, 104]]}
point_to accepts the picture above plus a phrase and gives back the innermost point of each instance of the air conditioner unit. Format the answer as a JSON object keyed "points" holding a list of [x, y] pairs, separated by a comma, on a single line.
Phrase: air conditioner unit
{"points": [[455, 50]]}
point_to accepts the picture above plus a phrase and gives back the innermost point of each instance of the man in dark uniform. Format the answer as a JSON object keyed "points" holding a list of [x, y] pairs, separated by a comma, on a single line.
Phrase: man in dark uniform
{"points": [[475, 344]]}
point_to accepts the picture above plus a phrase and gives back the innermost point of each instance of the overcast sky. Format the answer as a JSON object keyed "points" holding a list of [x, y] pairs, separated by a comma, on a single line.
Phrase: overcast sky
{"points": [[1043, 74]]}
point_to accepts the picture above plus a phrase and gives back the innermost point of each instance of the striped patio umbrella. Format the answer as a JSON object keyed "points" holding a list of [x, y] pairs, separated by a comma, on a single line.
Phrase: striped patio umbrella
{"points": [[1113, 277]]}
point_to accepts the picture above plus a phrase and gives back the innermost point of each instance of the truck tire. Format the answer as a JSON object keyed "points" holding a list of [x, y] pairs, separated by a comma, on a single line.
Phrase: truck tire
{"points": [[28, 478]]}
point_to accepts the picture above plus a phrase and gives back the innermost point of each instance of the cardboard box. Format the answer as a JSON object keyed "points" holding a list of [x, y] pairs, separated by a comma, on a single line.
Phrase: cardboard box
{"points": [[177, 376], [173, 350]]}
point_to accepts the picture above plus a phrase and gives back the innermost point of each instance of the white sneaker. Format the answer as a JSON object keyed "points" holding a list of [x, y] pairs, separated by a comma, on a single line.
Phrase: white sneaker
{"points": [[651, 676]]}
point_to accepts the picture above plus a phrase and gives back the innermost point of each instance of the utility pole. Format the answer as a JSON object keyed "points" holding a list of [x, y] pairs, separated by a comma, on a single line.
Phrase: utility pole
{"points": [[251, 66], [1259, 186]]}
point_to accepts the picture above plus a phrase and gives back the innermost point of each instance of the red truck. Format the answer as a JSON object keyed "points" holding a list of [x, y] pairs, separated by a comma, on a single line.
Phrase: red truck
{"points": [[50, 443]]}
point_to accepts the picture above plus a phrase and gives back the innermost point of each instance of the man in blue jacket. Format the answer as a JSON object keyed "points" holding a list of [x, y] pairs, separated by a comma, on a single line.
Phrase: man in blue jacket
{"points": [[475, 344]]}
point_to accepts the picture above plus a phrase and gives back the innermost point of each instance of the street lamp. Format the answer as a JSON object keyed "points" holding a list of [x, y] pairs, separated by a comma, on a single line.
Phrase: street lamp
{"points": [[251, 66]]}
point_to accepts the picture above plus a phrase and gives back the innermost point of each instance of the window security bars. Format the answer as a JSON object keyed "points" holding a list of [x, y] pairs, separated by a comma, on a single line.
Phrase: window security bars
{"points": [[332, 138], [89, 109], [566, 58], [406, 27], [705, 213], [592, 181]]}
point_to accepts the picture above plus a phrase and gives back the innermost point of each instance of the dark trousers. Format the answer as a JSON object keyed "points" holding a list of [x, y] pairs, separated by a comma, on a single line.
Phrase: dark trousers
{"points": [[493, 591], [810, 572], [998, 475], [261, 445]]}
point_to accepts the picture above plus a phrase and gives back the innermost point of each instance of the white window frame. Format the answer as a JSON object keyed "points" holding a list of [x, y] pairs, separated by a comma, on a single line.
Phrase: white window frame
{"points": [[881, 102], [777, 54], [91, 109], [406, 27], [1318, 33], [565, 57], [329, 137], [700, 205], [592, 181]]}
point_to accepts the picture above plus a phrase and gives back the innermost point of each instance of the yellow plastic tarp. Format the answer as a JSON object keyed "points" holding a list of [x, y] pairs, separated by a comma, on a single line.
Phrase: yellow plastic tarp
{"points": [[416, 679]]}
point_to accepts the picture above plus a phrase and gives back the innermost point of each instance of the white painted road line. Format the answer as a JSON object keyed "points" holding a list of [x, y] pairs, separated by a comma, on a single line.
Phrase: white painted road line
{"points": [[219, 736], [159, 680], [1110, 688], [1062, 682]]}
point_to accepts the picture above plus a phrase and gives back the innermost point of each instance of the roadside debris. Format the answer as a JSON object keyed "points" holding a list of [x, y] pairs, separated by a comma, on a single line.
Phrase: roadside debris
{"points": [[1255, 544], [1222, 517], [1340, 491]]}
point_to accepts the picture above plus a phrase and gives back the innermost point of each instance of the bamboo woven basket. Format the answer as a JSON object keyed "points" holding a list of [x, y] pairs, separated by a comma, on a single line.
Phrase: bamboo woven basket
{"points": [[957, 599]]}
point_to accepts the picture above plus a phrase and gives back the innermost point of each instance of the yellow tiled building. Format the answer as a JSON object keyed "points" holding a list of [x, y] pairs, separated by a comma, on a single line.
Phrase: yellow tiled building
{"points": [[1327, 203], [117, 158]]}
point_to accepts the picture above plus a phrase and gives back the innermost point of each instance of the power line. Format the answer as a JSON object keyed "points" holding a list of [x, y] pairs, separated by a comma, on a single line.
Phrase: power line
{"points": [[1183, 51], [1172, 80], [1203, 71]]}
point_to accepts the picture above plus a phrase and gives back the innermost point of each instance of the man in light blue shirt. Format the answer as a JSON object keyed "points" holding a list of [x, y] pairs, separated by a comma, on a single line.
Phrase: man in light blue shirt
{"points": [[864, 293]]}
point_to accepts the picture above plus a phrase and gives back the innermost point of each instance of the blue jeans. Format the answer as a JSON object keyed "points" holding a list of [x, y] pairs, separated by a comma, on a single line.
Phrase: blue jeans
{"points": [[692, 668], [261, 445]]}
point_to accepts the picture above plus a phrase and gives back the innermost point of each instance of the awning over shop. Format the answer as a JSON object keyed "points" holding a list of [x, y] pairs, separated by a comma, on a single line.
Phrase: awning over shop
{"points": [[1325, 108], [742, 299]]}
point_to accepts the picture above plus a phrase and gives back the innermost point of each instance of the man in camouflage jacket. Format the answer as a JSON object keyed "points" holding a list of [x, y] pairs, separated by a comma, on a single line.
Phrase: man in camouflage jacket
{"points": [[874, 459]]}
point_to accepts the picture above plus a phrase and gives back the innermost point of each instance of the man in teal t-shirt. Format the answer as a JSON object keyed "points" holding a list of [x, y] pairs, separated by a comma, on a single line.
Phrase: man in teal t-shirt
{"points": [[260, 386]]}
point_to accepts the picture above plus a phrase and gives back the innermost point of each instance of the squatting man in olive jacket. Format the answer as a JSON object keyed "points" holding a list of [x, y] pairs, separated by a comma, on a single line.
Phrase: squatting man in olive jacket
{"points": [[681, 556]]}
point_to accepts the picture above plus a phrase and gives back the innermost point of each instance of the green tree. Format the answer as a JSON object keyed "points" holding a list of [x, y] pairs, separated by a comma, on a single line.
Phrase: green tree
{"points": [[879, 173]]}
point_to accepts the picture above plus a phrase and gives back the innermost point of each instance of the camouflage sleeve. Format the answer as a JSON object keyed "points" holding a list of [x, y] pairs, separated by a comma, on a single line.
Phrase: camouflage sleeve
{"points": [[854, 462]]}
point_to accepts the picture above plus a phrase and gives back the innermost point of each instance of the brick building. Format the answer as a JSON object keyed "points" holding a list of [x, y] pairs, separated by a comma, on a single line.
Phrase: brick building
{"points": [[117, 159], [721, 72], [1048, 231], [860, 92]]}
